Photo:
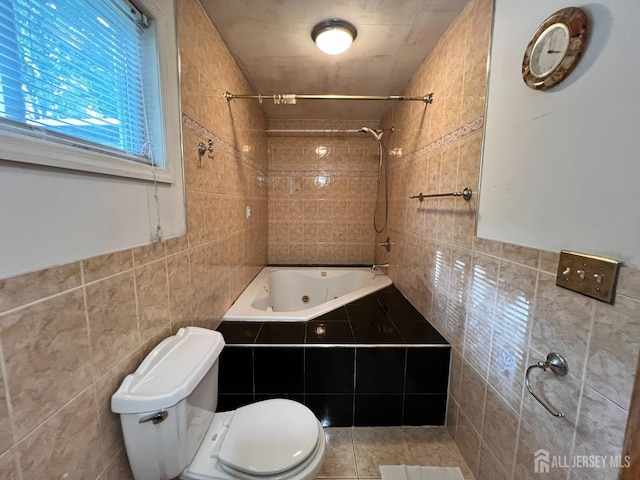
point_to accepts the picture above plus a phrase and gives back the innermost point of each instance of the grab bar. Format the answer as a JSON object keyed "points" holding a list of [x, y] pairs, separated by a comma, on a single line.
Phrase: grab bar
{"points": [[559, 366], [466, 194]]}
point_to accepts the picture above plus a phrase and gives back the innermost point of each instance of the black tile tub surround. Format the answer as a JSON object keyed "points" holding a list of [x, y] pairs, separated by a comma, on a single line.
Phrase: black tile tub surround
{"points": [[383, 317], [369, 363]]}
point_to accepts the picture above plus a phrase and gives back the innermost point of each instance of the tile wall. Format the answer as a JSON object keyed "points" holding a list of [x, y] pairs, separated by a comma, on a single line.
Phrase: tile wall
{"points": [[69, 334], [323, 193], [497, 303]]}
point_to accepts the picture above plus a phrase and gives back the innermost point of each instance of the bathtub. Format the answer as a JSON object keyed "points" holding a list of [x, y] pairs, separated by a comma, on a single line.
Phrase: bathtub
{"points": [[301, 293]]}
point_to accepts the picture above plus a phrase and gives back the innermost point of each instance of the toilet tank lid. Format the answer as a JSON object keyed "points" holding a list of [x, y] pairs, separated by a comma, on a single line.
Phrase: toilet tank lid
{"points": [[170, 372]]}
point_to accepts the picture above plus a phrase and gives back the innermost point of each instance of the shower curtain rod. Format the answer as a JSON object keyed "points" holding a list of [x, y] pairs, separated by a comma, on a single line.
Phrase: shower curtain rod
{"points": [[291, 98]]}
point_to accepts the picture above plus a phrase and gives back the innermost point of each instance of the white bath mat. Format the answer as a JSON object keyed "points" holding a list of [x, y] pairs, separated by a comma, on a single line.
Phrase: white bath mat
{"points": [[405, 472]]}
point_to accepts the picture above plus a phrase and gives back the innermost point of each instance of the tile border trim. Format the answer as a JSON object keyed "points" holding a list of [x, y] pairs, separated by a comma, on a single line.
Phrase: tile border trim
{"points": [[465, 130], [321, 173], [195, 127]]}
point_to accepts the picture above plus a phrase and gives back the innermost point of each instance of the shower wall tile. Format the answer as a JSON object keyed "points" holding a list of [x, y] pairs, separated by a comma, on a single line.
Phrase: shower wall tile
{"points": [[497, 303], [71, 333], [322, 195]]}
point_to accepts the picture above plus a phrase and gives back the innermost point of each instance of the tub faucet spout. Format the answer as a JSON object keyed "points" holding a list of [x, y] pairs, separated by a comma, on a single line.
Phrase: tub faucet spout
{"points": [[379, 267]]}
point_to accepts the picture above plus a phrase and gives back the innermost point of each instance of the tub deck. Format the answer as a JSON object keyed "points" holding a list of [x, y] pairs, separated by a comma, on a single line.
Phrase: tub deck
{"points": [[373, 362]]}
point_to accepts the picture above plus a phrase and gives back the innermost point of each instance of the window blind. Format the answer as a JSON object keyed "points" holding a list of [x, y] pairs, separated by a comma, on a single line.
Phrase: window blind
{"points": [[72, 70]]}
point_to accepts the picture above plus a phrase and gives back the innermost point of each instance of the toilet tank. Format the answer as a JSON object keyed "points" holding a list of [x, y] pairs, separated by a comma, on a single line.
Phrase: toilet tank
{"points": [[167, 404]]}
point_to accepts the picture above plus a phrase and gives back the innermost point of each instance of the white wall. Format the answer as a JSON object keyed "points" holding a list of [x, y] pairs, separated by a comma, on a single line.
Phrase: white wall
{"points": [[51, 216], [561, 168]]}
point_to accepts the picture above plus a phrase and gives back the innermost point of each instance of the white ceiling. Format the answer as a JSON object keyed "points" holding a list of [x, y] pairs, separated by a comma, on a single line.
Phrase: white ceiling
{"points": [[271, 41]]}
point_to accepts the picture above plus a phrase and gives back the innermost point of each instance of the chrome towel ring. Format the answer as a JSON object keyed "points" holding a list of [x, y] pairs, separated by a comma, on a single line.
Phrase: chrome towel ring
{"points": [[558, 365]]}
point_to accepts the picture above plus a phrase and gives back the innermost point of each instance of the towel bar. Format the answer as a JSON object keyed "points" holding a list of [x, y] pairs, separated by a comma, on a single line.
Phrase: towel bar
{"points": [[466, 194]]}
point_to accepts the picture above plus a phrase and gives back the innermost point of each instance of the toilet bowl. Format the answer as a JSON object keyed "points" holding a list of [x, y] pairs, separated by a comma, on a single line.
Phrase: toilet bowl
{"points": [[170, 427]]}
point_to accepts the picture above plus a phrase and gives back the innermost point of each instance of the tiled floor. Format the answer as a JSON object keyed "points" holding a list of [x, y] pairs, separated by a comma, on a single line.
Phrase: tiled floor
{"points": [[357, 452]]}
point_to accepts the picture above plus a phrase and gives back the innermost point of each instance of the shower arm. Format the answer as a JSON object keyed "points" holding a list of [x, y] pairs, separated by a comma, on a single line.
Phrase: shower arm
{"points": [[290, 98]]}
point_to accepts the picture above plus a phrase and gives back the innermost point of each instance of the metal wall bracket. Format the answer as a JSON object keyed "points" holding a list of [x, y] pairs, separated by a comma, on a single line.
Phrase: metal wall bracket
{"points": [[202, 149], [386, 244], [558, 365]]}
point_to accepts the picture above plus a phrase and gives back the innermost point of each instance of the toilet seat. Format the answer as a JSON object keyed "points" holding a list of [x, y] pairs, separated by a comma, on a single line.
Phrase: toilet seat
{"points": [[269, 438], [284, 475], [249, 424]]}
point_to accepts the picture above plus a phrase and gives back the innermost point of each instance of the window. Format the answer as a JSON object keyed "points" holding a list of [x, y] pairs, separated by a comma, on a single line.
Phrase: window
{"points": [[80, 85]]}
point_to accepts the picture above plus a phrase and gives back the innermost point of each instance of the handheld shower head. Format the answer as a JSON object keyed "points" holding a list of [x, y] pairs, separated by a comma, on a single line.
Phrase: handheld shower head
{"points": [[376, 133]]}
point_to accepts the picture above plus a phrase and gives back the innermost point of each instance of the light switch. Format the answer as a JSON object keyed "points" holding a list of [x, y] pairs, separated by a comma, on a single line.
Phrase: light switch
{"points": [[588, 274]]}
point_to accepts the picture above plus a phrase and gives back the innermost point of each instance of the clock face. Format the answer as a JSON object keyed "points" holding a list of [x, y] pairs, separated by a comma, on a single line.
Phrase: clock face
{"points": [[549, 50]]}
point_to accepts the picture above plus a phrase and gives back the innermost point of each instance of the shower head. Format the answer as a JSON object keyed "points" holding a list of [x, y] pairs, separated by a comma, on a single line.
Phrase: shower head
{"points": [[376, 133]]}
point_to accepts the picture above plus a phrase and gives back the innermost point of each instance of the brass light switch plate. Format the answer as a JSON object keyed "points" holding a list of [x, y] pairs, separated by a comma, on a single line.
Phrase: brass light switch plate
{"points": [[587, 274]]}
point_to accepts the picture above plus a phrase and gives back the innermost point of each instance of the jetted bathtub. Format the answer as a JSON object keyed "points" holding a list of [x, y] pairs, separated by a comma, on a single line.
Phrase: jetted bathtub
{"points": [[302, 293]]}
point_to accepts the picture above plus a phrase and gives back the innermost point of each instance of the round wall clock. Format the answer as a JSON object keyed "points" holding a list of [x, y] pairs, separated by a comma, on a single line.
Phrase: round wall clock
{"points": [[555, 48]]}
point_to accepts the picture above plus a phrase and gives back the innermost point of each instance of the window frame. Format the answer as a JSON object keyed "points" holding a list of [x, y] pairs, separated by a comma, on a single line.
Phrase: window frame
{"points": [[164, 79]]}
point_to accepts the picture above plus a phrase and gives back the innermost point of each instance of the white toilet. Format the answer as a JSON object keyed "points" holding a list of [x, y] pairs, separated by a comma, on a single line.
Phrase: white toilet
{"points": [[170, 429]]}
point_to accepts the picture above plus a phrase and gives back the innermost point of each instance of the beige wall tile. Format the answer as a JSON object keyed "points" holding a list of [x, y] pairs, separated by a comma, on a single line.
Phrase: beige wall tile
{"points": [[113, 323], [6, 431], [613, 349], [118, 468], [152, 294], [629, 282], [489, 467], [468, 441], [549, 261], [67, 445], [27, 288], [500, 429], [102, 266], [47, 357], [148, 253], [110, 428], [482, 301], [179, 272], [562, 322], [600, 431], [455, 375], [451, 422], [484, 245], [511, 328], [522, 255], [530, 440], [9, 466], [472, 396]]}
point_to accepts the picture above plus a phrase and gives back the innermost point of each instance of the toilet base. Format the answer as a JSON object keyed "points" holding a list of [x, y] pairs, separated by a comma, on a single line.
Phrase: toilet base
{"points": [[206, 466]]}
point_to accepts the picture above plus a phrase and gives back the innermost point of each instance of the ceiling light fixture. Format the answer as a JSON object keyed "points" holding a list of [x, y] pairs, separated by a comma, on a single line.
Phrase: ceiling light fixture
{"points": [[334, 36]]}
